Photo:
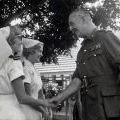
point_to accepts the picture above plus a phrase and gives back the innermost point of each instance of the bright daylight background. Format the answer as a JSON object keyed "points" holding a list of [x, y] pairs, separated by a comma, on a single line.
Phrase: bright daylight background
{"points": [[75, 49]]}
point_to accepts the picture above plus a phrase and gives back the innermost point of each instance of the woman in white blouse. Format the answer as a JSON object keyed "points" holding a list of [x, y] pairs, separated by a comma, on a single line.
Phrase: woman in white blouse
{"points": [[13, 98], [32, 52]]}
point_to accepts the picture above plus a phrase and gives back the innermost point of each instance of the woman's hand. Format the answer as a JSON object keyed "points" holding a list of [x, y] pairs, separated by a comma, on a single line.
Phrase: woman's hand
{"points": [[47, 113], [47, 104], [50, 113]]}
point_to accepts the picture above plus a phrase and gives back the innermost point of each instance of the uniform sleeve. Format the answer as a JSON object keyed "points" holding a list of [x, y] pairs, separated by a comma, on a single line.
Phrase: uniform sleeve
{"points": [[27, 75], [76, 72], [15, 70], [112, 44]]}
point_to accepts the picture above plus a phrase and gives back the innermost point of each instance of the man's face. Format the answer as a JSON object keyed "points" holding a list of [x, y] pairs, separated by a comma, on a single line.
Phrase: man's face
{"points": [[77, 25]]}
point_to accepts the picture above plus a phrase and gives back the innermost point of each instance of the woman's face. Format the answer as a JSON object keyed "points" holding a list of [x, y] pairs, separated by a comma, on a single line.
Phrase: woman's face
{"points": [[17, 47], [35, 58]]}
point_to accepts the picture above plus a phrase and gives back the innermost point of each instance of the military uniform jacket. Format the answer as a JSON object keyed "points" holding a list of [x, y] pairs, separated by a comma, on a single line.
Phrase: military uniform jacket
{"points": [[98, 62]]}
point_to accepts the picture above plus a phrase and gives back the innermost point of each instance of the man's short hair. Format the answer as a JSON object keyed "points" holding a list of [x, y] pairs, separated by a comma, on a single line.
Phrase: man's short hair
{"points": [[81, 12]]}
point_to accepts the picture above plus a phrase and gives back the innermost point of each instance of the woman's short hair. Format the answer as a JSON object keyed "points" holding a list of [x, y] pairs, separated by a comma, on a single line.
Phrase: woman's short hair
{"points": [[14, 31]]}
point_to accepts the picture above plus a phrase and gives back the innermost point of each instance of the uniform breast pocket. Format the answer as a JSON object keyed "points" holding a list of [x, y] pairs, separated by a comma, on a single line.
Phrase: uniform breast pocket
{"points": [[93, 54]]}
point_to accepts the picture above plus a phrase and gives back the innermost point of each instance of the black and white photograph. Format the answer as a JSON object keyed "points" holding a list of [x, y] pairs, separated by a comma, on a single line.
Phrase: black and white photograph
{"points": [[59, 59]]}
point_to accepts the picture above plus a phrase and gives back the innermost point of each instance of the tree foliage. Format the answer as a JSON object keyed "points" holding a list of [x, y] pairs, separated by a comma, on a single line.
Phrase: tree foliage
{"points": [[48, 20]]}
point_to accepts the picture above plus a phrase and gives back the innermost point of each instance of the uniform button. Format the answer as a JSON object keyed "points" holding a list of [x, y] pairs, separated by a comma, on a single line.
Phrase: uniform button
{"points": [[84, 76], [85, 50], [77, 62], [84, 63], [92, 35], [86, 91], [94, 55]]}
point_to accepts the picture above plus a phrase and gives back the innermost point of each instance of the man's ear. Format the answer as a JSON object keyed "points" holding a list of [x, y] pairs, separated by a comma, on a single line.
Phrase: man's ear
{"points": [[82, 18]]}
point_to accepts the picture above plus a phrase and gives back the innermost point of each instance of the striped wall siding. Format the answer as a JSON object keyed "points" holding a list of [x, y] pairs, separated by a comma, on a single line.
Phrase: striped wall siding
{"points": [[65, 64]]}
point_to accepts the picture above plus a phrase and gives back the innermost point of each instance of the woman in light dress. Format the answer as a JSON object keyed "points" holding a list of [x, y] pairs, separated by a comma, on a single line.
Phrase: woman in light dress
{"points": [[32, 52], [13, 98]]}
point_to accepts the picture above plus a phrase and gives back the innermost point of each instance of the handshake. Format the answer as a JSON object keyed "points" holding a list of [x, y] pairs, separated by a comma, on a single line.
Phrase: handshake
{"points": [[53, 102]]}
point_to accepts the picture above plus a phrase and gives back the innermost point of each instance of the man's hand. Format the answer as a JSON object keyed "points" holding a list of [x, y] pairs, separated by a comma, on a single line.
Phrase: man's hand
{"points": [[55, 101], [47, 103], [73, 87]]}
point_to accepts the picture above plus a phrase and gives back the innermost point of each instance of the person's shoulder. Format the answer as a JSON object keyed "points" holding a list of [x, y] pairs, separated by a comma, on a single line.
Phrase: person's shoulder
{"points": [[14, 60], [99, 34], [6, 63], [109, 34], [10, 64], [104, 33]]}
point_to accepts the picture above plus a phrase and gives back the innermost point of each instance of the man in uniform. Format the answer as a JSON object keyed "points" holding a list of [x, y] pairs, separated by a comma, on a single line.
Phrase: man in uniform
{"points": [[97, 70]]}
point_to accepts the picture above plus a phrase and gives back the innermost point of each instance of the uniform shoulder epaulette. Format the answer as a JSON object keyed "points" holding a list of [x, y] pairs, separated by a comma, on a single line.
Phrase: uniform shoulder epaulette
{"points": [[15, 57], [102, 30]]}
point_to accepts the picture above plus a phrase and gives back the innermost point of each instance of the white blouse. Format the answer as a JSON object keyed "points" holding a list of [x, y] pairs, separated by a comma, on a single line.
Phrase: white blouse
{"points": [[10, 109], [11, 69], [32, 77]]}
